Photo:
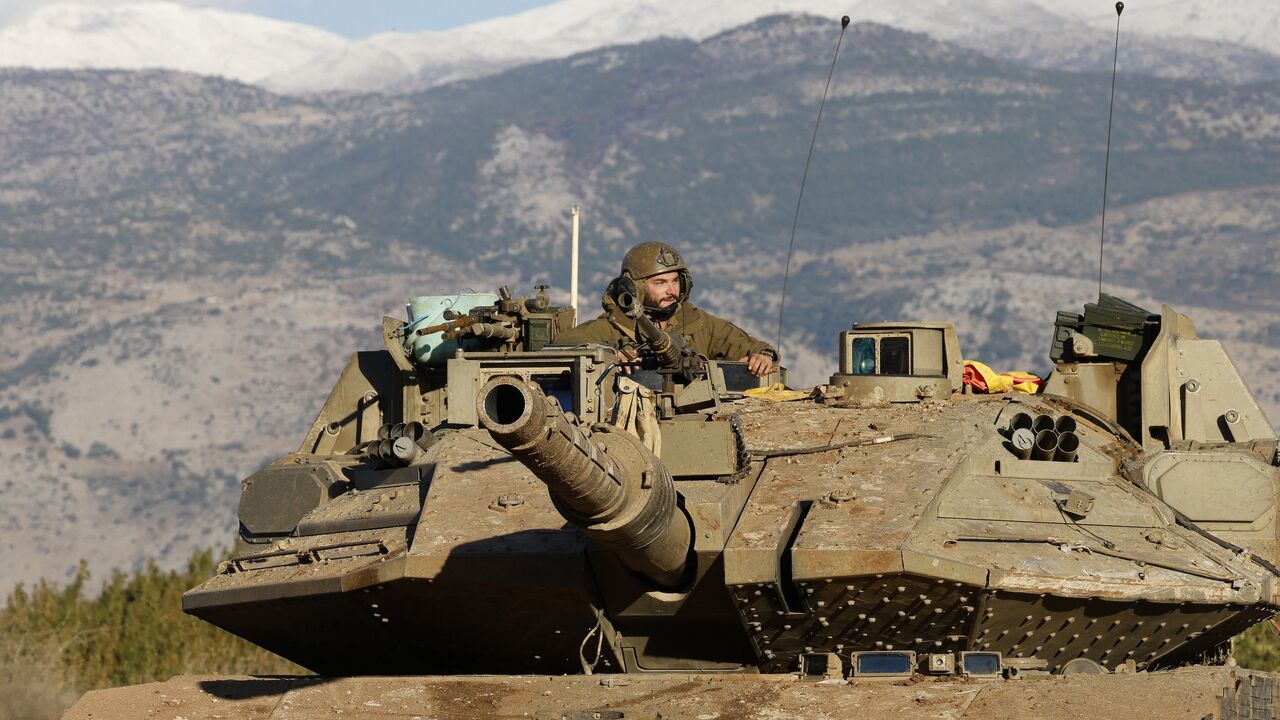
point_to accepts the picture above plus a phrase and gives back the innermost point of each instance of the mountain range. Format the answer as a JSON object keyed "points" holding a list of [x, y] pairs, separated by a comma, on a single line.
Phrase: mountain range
{"points": [[189, 260], [1237, 41]]}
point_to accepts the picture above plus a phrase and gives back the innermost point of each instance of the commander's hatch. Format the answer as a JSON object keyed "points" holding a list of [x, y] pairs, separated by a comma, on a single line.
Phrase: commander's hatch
{"points": [[900, 362]]}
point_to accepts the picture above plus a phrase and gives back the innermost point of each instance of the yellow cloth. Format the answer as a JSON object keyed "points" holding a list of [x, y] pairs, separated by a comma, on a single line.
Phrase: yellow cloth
{"points": [[1023, 382], [987, 380], [983, 379], [776, 393]]}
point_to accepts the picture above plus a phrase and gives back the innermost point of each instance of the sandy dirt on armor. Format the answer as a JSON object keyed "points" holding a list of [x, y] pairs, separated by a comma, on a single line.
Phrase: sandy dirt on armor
{"points": [[1193, 693]]}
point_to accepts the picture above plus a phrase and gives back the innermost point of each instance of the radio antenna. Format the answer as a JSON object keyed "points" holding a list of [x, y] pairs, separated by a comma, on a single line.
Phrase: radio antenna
{"points": [[1106, 168], [782, 307]]}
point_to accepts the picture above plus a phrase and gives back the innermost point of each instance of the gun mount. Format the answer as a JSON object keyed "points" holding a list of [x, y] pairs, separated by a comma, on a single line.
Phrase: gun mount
{"points": [[607, 484], [440, 325]]}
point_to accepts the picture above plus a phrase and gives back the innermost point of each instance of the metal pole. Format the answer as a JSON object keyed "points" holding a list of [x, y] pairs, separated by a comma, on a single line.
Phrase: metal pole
{"points": [[1106, 168], [791, 246], [573, 267]]}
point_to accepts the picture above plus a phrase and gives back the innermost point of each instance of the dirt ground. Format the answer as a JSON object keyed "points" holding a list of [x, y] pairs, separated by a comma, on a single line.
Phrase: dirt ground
{"points": [[1190, 693]]}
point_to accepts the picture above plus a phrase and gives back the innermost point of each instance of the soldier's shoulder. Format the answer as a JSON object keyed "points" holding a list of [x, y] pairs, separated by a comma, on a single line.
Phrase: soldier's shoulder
{"points": [[698, 314], [692, 312], [597, 330], [601, 319], [723, 326]]}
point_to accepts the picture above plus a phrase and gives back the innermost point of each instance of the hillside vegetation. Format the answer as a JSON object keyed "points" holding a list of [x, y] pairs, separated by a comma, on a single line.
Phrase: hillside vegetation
{"points": [[58, 641]]}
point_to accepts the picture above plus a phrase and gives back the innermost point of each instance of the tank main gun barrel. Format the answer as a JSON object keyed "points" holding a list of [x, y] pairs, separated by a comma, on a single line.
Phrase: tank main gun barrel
{"points": [[607, 484]]}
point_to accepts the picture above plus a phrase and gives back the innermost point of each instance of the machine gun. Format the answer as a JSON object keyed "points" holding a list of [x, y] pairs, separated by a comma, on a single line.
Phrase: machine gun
{"points": [[501, 321], [676, 361], [507, 323]]}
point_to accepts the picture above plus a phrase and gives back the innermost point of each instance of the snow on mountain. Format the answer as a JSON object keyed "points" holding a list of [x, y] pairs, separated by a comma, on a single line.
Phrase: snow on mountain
{"points": [[295, 58], [566, 27], [163, 35], [1252, 23], [1171, 37], [571, 26]]}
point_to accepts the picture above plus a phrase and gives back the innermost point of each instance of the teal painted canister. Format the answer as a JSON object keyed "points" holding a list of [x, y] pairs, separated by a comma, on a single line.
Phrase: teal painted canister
{"points": [[429, 310]]}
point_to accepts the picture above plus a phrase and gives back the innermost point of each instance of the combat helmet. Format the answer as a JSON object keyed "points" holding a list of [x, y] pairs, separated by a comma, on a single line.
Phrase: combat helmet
{"points": [[655, 258]]}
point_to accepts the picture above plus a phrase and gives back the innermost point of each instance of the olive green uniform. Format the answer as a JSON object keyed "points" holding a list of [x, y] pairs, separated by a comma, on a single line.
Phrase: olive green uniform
{"points": [[704, 333]]}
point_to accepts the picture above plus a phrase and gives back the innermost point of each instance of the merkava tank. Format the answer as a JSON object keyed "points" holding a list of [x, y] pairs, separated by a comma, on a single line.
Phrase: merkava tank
{"points": [[473, 499], [531, 530]]}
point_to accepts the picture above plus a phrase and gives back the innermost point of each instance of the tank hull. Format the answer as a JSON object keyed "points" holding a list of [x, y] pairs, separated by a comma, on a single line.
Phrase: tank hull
{"points": [[375, 613]]}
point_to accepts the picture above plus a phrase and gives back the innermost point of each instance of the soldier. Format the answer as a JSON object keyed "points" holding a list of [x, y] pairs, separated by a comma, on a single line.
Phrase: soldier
{"points": [[661, 278]]}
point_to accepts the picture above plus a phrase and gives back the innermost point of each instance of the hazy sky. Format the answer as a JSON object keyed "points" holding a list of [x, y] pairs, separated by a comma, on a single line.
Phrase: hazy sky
{"points": [[344, 17]]}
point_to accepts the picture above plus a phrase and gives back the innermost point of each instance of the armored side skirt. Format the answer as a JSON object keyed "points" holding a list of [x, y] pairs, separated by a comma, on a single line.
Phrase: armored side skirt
{"points": [[901, 611]]}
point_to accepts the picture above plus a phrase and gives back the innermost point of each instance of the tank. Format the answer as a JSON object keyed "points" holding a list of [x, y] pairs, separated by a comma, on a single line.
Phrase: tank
{"points": [[533, 510], [525, 529]]}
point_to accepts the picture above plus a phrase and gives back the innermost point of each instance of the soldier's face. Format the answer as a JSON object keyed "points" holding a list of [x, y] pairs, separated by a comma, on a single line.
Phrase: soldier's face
{"points": [[662, 290]]}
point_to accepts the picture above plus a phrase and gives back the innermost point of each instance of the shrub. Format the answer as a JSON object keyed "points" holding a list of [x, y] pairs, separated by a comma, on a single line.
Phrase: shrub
{"points": [[58, 642]]}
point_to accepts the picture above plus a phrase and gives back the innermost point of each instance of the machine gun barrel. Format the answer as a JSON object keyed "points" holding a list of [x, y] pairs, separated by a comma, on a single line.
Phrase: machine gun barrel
{"points": [[660, 341], [484, 330], [452, 325], [607, 484], [664, 347]]}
